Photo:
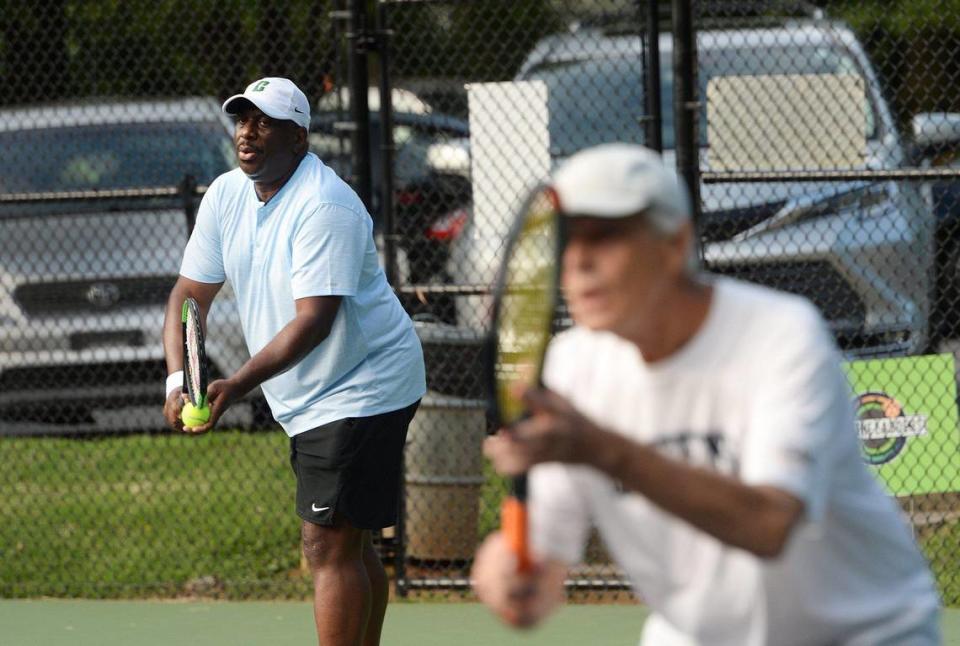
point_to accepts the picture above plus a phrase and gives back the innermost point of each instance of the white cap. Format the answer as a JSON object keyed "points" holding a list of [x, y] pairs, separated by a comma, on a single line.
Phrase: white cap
{"points": [[617, 180], [277, 97]]}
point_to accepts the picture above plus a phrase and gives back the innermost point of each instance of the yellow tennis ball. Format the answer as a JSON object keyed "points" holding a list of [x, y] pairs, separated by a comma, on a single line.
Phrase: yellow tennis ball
{"points": [[193, 416]]}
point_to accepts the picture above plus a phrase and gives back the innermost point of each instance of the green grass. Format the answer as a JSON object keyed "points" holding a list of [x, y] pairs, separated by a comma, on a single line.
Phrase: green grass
{"points": [[174, 516], [158, 516], [495, 487], [942, 548], [149, 516]]}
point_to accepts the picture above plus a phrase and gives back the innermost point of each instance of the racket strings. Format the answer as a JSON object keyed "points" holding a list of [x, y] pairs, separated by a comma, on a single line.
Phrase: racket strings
{"points": [[193, 364], [527, 310]]}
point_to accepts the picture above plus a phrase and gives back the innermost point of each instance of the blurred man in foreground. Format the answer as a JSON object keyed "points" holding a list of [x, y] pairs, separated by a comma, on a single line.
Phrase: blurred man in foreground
{"points": [[704, 426]]}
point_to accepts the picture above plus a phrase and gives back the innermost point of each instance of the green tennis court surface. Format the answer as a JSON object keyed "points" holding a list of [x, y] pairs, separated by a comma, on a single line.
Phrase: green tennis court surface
{"points": [[159, 623], [148, 623]]}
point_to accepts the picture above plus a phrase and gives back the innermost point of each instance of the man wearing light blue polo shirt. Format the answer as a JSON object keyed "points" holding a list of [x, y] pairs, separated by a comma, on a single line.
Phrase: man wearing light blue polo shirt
{"points": [[335, 354]]}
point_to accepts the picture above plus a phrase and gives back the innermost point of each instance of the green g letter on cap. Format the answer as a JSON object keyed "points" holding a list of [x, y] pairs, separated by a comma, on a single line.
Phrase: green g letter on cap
{"points": [[259, 87]]}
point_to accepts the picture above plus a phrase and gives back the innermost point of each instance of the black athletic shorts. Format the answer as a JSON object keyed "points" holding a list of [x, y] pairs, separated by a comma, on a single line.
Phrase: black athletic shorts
{"points": [[351, 468]]}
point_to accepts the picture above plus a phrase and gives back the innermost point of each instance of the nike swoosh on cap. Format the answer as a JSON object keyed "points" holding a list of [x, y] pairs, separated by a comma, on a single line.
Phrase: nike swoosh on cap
{"points": [[316, 509]]}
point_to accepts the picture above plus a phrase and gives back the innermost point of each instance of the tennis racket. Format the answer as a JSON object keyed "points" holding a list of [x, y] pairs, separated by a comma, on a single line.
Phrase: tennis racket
{"points": [[194, 358], [525, 302]]}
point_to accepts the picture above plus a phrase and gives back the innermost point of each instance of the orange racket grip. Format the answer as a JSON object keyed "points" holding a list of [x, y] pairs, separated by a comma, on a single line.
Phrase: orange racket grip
{"points": [[513, 520]]}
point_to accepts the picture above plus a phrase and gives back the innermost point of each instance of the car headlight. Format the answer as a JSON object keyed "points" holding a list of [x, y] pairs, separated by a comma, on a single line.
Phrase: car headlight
{"points": [[863, 200], [859, 201]]}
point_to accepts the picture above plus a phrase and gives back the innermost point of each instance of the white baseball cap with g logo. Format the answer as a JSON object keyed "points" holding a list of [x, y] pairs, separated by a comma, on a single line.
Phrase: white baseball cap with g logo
{"points": [[617, 180], [277, 97]]}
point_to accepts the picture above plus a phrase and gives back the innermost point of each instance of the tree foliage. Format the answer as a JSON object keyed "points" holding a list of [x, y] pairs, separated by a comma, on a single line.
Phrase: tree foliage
{"points": [[60, 49]]}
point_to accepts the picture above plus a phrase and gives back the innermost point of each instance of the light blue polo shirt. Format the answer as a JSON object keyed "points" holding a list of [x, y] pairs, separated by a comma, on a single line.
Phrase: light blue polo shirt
{"points": [[313, 238]]}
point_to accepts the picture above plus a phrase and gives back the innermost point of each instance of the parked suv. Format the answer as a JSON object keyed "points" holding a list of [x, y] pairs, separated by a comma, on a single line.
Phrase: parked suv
{"points": [[862, 251], [83, 283]]}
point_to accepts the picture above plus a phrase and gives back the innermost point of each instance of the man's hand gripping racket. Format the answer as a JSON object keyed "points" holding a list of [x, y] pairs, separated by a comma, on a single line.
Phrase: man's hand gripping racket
{"points": [[525, 303]]}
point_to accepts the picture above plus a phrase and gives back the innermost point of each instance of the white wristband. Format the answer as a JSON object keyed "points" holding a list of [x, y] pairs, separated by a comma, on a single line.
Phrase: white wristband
{"points": [[174, 382]]}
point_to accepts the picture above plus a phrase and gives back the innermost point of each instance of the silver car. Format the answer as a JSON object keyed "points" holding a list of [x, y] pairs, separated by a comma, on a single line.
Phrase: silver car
{"points": [[862, 251], [83, 283]]}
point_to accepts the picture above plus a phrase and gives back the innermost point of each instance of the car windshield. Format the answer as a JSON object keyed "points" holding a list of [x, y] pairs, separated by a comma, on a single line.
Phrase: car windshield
{"points": [[113, 156], [598, 101]]}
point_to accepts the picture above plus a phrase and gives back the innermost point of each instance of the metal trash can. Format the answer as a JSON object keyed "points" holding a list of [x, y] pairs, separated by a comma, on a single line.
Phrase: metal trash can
{"points": [[443, 474], [454, 359]]}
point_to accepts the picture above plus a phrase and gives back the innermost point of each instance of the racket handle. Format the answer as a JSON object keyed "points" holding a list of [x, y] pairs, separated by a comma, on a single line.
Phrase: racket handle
{"points": [[513, 520]]}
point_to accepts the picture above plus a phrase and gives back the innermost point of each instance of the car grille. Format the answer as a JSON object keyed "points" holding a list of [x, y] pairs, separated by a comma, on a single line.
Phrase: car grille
{"points": [[70, 376], [65, 396], [817, 281], [93, 295], [723, 225]]}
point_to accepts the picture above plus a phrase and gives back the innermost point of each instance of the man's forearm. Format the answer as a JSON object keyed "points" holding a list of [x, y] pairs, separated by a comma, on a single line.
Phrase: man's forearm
{"points": [[288, 347], [173, 329], [757, 519]]}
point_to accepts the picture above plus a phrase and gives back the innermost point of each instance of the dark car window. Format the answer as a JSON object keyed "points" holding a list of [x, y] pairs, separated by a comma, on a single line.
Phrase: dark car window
{"points": [[412, 137], [600, 101], [112, 156]]}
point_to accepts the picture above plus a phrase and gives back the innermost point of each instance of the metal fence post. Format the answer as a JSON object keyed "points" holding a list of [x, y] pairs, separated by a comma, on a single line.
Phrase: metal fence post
{"points": [[389, 244], [685, 105], [188, 193], [386, 145], [654, 118], [359, 106]]}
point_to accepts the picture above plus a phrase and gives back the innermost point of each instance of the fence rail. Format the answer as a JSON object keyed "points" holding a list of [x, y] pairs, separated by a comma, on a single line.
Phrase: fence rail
{"points": [[913, 174]]}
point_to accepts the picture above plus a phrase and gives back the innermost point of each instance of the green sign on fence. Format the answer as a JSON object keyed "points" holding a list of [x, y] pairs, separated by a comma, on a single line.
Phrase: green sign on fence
{"points": [[907, 421]]}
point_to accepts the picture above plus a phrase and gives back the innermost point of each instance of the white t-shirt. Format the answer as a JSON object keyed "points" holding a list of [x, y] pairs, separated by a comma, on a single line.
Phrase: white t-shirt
{"points": [[313, 238], [757, 394]]}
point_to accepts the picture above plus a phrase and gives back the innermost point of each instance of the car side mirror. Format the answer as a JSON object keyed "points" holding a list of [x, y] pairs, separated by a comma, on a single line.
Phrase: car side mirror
{"points": [[933, 131]]}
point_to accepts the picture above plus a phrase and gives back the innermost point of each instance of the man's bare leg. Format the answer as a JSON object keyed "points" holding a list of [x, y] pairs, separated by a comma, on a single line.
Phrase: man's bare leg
{"points": [[379, 588], [342, 594]]}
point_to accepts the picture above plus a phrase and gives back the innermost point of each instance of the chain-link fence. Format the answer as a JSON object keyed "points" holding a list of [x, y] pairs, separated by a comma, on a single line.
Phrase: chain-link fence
{"points": [[820, 137]]}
